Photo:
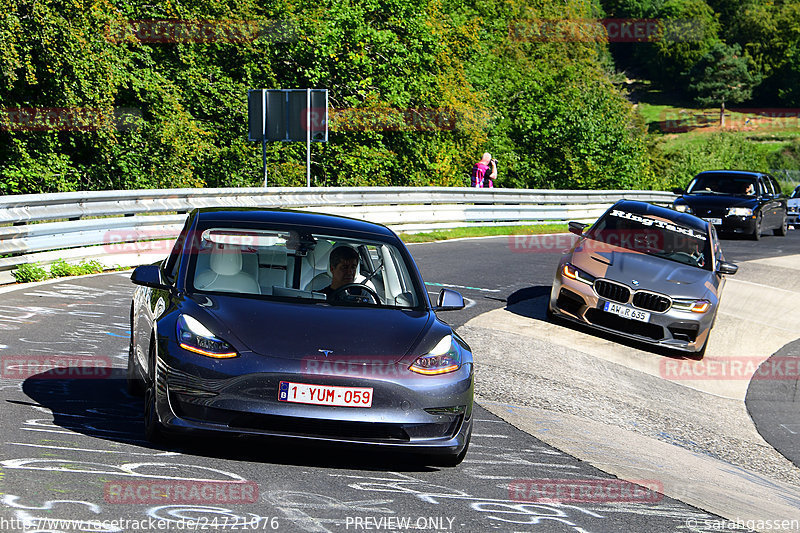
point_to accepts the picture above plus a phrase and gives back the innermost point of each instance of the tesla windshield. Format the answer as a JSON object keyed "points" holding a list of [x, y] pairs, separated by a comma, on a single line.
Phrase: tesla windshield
{"points": [[288, 264], [653, 236], [714, 183]]}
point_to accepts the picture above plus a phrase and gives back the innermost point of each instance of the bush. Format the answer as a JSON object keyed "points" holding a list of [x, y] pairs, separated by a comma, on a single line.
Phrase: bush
{"points": [[29, 272], [88, 267], [61, 268]]}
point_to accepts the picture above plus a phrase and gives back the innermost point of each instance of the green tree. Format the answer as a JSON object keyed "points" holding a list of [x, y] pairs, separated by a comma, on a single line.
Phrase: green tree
{"points": [[722, 75]]}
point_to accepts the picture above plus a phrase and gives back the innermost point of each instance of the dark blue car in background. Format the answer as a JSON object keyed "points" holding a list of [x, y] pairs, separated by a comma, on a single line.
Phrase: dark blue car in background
{"points": [[736, 201], [234, 333]]}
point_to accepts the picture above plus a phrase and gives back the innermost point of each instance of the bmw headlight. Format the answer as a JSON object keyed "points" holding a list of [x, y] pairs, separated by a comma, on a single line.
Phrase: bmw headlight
{"points": [[445, 357], [195, 337], [695, 306], [740, 211], [683, 208], [572, 272]]}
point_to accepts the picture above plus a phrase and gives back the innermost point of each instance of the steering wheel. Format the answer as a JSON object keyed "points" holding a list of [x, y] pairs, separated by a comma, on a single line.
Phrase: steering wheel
{"points": [[696, 259], [341, 294]]}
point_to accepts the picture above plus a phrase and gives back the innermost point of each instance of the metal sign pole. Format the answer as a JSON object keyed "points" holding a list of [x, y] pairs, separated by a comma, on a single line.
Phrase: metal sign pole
{"points": [[264, 133], [308, 137]]}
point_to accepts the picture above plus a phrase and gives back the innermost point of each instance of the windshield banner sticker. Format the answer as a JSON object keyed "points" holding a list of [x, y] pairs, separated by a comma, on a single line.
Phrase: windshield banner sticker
{"points": [[662, 224]]}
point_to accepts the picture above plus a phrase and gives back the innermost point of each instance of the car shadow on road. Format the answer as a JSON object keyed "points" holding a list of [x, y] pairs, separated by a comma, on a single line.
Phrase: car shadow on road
{"points": [[100, 407], [531, 302]]}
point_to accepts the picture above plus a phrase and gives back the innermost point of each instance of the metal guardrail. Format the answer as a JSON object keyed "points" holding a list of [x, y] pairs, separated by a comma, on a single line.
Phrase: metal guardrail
{"points": [[116, 227]]}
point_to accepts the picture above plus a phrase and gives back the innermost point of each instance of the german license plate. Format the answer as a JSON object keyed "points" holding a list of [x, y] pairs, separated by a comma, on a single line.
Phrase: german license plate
{"points": [[627, 312], [715, 221], [325, 395]]}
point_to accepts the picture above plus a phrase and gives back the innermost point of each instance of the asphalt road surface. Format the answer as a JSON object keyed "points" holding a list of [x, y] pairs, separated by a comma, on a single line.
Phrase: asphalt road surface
{"points": [[72, 447]]}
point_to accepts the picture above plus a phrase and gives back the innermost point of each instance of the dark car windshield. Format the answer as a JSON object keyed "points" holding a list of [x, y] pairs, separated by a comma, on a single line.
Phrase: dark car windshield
{"points": [[295, 266], [654, 236], [795, 193], [731, 184]]}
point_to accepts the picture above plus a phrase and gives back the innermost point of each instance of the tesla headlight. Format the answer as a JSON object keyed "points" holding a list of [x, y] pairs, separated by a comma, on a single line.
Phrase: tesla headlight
{"points": [[195, 337], [695, 306], [683, 208], [445, 357], [740, 211], [569, 270]]}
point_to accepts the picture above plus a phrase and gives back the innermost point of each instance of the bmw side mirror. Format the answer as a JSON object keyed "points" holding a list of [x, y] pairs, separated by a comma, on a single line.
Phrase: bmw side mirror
{"points": [[678, 191], [449, 300], [727, 268], [149, 276], [577, 228]]}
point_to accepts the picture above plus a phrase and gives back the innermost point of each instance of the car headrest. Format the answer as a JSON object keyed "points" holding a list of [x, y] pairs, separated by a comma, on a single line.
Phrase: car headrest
{"points": [[226, 260]]}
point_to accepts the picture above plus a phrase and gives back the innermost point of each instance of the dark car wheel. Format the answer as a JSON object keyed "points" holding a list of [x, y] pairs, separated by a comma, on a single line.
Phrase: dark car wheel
{"points": [[450, 460], [152, 427], [134, 382], [784, 227], [756, 235]]}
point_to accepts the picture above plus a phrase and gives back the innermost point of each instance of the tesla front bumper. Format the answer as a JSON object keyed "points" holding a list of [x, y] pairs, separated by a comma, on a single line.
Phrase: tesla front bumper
{"points": [[677, 329], [427, 413]]}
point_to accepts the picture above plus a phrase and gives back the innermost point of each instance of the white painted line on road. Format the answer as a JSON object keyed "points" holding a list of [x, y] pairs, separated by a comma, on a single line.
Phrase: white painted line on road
{"points": [[451, 286], [52, 431], [786, 427], [490, 436], [67, 448], [761, 285]]}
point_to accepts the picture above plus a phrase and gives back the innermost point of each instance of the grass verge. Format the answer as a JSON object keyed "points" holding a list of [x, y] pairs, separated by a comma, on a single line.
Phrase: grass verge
{"points": [[488, 231]]}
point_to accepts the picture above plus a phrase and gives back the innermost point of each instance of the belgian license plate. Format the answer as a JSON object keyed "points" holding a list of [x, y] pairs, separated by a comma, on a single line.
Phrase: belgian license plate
{"points": [[715, 221], [627, 312], [325, 395]]}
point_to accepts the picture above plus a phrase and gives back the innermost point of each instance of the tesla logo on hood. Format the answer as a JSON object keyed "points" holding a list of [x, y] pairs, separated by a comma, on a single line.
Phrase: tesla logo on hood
{"points": [[326, 352], [635, 282]]}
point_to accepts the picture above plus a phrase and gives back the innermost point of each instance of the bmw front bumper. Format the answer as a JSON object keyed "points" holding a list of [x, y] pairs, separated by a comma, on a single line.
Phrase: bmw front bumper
{"points": [[679, 330]]}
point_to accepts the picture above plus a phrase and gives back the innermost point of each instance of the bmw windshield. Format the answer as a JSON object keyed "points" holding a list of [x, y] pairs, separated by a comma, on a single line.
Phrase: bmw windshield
{"points": [[654, 236]]}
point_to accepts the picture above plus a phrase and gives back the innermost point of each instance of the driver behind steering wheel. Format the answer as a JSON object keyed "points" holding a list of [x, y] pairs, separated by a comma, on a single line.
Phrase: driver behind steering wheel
{"points": [[343, 264]]}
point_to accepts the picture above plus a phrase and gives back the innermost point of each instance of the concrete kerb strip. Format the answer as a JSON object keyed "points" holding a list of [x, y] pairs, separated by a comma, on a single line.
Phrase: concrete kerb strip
{"points": [[716, 486], [704, 482]]}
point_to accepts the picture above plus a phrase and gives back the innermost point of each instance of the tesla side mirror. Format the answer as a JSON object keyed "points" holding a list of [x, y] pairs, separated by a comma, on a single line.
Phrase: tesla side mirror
{"points": [[727, 268], [678, 191], [449, 300], [577, 228], [149, 276]]}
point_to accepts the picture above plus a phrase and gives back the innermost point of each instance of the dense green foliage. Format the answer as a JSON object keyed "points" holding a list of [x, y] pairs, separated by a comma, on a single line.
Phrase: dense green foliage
{"points": [[173, 114]]}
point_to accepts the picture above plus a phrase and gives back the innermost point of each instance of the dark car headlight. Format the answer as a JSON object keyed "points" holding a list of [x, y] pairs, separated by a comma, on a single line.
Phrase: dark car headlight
{"points": [[443, 358], [195, 337], [572, 272]]}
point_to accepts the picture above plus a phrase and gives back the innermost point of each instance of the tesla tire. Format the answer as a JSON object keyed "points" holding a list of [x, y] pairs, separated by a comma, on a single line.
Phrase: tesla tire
{"points": [[450, 460], [134, 383], [153, 430]]}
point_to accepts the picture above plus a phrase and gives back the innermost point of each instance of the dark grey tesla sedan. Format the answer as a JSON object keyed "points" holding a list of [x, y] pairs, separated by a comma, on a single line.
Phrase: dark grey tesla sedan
{"points": [[248, 328]]}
